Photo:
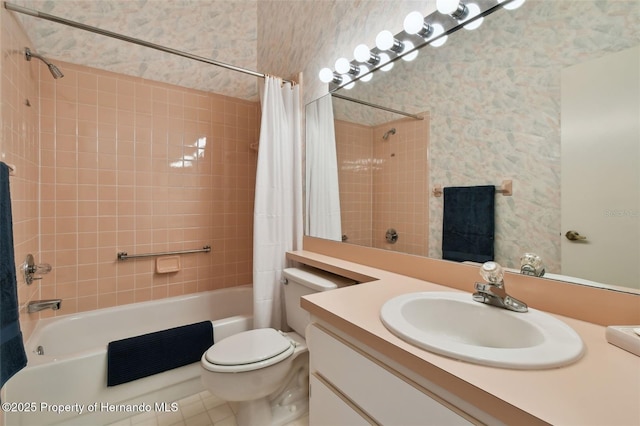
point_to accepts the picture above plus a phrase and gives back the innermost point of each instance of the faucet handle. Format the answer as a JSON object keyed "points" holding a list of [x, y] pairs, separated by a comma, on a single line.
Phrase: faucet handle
{"points": [[531, 264], [492, 272]]}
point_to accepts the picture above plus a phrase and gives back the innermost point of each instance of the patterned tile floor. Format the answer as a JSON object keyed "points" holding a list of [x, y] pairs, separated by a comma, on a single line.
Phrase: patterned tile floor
{"points": [[202, 409]]}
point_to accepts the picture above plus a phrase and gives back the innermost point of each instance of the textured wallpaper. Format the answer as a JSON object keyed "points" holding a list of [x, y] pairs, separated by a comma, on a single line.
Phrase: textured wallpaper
{"points": [[221, 30]]}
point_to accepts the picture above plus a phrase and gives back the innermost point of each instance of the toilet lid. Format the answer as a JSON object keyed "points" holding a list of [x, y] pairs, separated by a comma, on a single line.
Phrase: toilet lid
{"points": [[250, 347]]}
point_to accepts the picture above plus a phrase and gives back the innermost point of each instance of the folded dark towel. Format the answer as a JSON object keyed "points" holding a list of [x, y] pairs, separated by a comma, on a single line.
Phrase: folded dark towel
{"points": [[141, 356], [12, 355], [468, 225]]}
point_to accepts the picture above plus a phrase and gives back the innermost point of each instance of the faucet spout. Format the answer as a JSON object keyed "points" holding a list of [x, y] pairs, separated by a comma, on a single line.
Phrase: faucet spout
{"points": [[493, 292], [39, 305]]}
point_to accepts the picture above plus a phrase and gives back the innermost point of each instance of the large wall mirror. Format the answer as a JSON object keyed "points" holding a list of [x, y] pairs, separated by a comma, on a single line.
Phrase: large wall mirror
{"points": [[520, 99]]}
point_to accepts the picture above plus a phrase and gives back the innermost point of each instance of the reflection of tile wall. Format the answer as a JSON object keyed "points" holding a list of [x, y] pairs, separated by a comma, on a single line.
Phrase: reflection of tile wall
{"points": [[19, 145], [383, 184], [137, 166], [401, 199], [355, 153]]}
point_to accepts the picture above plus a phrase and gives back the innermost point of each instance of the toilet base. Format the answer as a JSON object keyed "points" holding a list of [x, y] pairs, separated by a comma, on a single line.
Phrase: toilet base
{"points": [[288, 403]]}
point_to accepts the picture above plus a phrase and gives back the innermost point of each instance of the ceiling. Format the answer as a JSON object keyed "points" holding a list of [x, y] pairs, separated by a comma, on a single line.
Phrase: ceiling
{"points": [[222, 30]]}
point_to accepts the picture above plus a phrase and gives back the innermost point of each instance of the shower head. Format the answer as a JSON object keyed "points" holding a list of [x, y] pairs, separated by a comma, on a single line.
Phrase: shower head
{"points": [[391, 131], [55, 71]]}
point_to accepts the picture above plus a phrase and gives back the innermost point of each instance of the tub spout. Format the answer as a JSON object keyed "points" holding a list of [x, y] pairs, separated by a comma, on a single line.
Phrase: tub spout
{"points": [[39, 305]]}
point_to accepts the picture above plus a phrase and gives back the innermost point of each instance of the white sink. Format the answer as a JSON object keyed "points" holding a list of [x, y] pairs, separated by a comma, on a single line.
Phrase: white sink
{"points": [[452, 324]]}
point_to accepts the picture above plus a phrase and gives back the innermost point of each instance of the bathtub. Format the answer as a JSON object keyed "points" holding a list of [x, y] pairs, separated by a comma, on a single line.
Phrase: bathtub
{"points": [[66, 384]]}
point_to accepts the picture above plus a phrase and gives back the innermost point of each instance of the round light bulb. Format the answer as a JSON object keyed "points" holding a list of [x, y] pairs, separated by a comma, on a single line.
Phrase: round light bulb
{"points": [[343, 66], [513, 5], [384, 40], [362, 53], [326, 75], [447, 7], [413, 23], [408, 46], [437, 31], [384, 59], [347, 83], [364, 74], [474, 10]]}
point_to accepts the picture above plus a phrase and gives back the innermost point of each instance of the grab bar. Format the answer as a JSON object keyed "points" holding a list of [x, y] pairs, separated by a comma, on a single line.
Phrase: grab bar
{"points": [[123, 255]]}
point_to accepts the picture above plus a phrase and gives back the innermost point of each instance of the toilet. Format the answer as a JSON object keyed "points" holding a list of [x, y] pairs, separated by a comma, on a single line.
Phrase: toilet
{"points": [[266, 370]]}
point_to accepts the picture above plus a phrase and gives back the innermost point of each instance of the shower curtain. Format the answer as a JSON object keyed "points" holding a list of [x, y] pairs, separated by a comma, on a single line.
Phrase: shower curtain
{"points": [[277, 217], [323, 194]]}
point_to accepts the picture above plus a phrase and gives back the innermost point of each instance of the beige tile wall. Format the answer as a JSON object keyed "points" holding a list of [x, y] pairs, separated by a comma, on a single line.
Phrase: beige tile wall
{"points": [[355, 154], [401, 196], [379, 180], [108, 163], [19, 145], [138, 166]]}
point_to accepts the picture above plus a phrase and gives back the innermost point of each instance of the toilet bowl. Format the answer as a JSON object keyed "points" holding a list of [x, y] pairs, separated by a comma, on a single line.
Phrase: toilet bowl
{"points": [[265, 370]]}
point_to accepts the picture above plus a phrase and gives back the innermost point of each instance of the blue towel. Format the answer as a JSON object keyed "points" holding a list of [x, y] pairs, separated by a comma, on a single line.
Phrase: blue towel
{"points": [[141, 356], [12, 355], [468, 224]]}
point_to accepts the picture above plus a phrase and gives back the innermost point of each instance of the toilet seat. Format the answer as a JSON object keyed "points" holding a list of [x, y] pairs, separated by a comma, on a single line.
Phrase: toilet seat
{"points": [[247, 351]]}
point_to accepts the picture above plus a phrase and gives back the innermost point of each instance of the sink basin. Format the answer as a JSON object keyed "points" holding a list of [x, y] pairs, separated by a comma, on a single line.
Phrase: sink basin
{"points": [[452, 324]]}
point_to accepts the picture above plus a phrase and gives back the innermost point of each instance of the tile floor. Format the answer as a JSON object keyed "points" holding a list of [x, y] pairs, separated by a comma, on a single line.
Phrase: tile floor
{"points": [[201, 409]]}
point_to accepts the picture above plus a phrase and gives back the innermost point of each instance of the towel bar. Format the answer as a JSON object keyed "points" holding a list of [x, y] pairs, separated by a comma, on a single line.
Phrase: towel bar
{"points": [[506, 189], [123, 255]]}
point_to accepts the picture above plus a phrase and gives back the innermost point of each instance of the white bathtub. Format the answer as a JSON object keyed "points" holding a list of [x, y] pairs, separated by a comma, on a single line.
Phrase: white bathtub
{"points": [[72, 372]]}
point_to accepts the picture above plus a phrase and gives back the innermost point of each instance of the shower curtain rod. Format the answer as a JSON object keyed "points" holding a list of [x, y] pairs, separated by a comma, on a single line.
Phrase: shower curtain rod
{"points": [[395, 111], [42, 15]]}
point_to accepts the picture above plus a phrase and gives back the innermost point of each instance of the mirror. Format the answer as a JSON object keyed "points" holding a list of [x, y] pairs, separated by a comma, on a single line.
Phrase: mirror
{"points": [[491, 103]]}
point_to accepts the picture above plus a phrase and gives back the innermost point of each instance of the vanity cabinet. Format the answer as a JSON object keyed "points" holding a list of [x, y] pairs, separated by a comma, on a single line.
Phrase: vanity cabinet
{"points": [[349, 387]]}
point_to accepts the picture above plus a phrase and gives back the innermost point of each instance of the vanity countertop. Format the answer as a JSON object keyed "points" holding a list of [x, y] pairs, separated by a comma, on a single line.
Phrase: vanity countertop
{"points": [[603, 387]]}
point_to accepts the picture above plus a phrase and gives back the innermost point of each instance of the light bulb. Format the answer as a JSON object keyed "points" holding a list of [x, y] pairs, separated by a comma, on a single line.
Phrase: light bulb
{"points": [[437, 31], [413, 23], [384, 59], [408, 46], [513, 5], [364, 74], [362, 53], [343, 66], [447, 7], [385, 40], [474, 10], [347, 83], [326, 75]]}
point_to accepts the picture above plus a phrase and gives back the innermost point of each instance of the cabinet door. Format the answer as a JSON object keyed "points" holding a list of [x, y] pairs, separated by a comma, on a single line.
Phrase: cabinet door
{"points": [[326, 407], [384, 396]]}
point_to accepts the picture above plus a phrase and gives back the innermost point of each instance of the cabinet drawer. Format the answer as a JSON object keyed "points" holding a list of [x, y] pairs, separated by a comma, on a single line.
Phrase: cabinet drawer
{"points": [[326, 407], [381, 394]]}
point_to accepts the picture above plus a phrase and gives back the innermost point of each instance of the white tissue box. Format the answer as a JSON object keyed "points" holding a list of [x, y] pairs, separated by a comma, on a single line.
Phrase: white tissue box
{"points": [[625, 337]]}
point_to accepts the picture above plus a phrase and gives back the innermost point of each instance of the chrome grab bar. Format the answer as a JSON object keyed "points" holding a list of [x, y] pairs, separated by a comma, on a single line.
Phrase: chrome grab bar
{"points": [[123, 255]]}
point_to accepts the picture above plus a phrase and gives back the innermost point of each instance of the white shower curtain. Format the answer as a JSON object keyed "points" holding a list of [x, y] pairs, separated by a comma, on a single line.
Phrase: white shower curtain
{"points": [[277, 217], [323, 193]]}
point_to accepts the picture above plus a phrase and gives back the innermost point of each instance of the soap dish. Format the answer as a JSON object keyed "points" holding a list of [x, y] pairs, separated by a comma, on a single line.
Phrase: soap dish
{"points": [[625, 337], [167, 264]]}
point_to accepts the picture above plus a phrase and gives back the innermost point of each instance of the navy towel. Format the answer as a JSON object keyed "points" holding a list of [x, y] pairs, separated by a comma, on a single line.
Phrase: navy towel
{"points": [[12, 355], [468, 225], [141, 356]]}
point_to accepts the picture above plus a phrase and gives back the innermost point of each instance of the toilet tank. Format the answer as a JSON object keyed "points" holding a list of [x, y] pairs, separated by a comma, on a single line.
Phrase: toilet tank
{"points": [[303, 281]]}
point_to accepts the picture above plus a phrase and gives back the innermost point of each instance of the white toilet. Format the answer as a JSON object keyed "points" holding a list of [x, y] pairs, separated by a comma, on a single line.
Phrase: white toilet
{"points": [[266, 370]]}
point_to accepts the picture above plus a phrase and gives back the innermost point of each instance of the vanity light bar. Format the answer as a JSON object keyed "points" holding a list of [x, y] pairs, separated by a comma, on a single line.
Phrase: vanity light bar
{"points": [[403, 44]]}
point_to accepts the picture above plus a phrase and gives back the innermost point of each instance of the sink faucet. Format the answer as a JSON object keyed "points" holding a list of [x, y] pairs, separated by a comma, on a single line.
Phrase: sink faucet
{"points": [[39, 305], [493, 292]]}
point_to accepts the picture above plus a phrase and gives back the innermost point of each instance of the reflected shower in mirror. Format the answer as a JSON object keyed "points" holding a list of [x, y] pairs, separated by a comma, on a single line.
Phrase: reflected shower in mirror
{"points": [[492, 105]]}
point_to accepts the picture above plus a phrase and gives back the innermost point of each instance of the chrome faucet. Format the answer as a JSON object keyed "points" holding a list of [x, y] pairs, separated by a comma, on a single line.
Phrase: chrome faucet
{"points": [[39, 305], [493, 292]]}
